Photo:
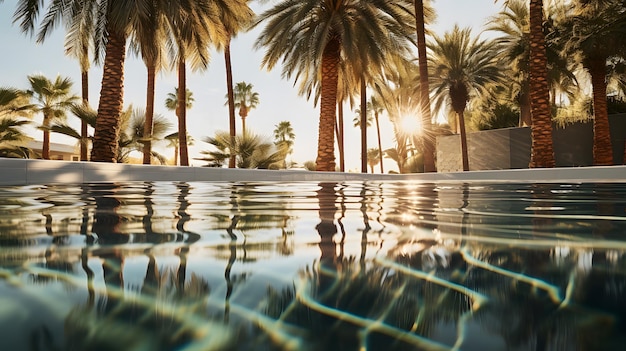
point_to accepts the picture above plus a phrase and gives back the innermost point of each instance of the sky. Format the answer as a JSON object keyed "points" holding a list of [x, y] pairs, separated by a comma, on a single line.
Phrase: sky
{"points": [[278, 98]]}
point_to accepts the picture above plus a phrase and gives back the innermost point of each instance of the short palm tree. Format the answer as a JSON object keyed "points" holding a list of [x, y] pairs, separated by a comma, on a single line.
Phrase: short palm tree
{"points": [[462, 65], [373, 158], [14, 105], [284, 137], [252, 151], [311, 38], [132, 137], [245, 99], [52, 99]]}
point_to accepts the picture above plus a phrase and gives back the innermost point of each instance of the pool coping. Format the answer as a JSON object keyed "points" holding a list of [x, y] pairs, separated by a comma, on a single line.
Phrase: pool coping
{"points": [[26, 171]]}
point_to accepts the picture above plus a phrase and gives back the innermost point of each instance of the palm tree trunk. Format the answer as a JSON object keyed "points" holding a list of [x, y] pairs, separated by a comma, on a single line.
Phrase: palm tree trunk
{"points": [[429, 157], [231, 100], [147, 128], [243, 124], [542, 153], [602, 148], [363, 125], [340, 141], [182, 112], [464, 153], [84, 137], [325, 160], [524, 106], [45, 148], [106, 134], [176, 153], [380, 145]]}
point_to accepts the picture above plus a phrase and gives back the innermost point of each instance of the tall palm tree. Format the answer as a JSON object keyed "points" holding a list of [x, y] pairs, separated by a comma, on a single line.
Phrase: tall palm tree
{"points": [[542, 151], [594, 35], [429, 149], [232, 25], [513, 23], [311, 37], [113, 21], [52, 99], [172, 104], [79, 45], [245, 99], [377, 108], [461, 65], [203, 23], [148, 40]]}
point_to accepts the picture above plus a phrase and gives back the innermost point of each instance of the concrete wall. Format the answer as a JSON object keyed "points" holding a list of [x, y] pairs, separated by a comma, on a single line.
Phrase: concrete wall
{"points": [[509, 148]]}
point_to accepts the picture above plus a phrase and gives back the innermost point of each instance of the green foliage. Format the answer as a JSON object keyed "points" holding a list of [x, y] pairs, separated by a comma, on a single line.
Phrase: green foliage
{"points": [[616, 105], [502, 115], [251, 151]]}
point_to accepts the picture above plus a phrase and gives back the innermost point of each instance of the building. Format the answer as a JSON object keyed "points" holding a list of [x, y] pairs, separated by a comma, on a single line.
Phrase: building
{"points": [[62, 152]]}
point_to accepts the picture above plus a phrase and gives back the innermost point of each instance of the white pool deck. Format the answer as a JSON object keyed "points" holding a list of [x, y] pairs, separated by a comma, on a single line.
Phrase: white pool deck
{"points": [[26, 172]]}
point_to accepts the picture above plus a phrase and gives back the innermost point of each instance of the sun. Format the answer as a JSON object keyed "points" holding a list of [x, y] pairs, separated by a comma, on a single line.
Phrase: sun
{"points": [[410, 124]]}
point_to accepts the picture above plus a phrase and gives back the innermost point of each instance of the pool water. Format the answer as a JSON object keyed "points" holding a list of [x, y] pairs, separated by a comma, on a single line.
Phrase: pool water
{"points": [[313, 266]]}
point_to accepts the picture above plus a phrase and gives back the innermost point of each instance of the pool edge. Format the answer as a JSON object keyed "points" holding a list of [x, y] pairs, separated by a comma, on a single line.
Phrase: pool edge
{"points": [[26, 171]]}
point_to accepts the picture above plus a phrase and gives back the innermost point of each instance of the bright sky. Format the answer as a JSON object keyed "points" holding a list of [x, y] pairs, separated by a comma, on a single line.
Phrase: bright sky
{"points": [[278, 98]]}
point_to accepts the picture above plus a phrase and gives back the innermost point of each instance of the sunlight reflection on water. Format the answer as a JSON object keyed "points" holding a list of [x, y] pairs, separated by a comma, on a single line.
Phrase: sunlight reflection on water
{"points": [[318, 266]]}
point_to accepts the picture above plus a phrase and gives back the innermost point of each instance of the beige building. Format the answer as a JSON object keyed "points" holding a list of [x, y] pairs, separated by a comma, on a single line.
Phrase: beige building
{"points": [[62, 152]]}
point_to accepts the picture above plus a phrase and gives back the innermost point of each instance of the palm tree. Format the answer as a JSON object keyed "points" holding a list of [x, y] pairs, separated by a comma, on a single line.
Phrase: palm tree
{"points": [[376, 108], [311, 37], [148, 41], [173, 142], [113, 21], [284, 138], [459, 65], [373, 158], [172, 103], [593, 35], [420, 19], [232, 26], [542, 152], [52, 99], [206, 22], [245, 99], [79, 44], [252, 151], [14, 104], [132, 137], [513, 23]]}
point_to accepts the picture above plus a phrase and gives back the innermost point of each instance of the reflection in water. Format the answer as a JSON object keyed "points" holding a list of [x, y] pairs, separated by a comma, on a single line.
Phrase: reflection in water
{"points": [[308, 266]]}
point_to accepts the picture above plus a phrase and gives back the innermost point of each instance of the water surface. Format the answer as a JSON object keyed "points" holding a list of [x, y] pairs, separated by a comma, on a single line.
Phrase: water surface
{"points": [[313, 266]]}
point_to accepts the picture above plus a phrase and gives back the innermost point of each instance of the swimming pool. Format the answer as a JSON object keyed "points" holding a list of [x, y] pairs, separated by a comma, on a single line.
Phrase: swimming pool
{"points": [[350, 265]]}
